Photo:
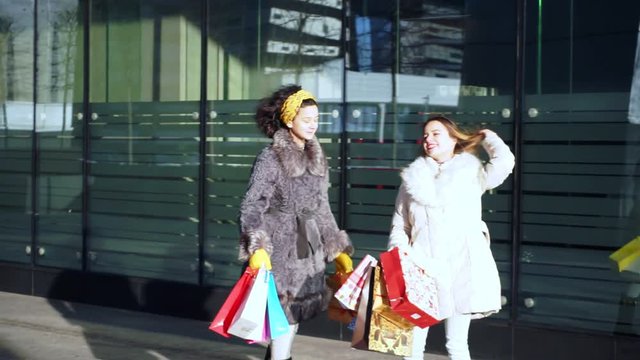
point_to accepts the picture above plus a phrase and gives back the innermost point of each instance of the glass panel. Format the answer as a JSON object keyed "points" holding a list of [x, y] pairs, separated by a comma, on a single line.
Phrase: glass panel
{"points": [[457, 59], [581, 153], [144, 76], [253, 48], [371, 153], [16, 127], [59, 131]]}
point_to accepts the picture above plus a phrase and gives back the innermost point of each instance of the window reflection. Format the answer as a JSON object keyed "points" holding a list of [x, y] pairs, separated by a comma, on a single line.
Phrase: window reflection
{"points": [[16, 125], [60, 133]]}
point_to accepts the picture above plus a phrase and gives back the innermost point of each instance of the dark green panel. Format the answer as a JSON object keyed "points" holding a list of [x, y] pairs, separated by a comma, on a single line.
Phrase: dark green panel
{"points": [[126, 236], [145, 146], [185, 108], [147, 171], [239, 127], [226, 189], [597, 132], [569, 235], [14, 200], [500, 230], [60, 256], [577, 169], [574, 154], [147, 185], [223, 212], [142, 128], [60, 167], [16, 165], [14, 251], [147, 244], [369, 222], [135, 208], [145, 266], [218, 230], [598, 207], [497, 202], [368, 243], [235, 148], [380, 210], [375, 177], [592, 184], [579, 102], [372, 196], [124, 222]]}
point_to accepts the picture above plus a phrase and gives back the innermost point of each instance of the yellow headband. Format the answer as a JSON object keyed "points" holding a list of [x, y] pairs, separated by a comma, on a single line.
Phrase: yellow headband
{"points": [[291, 106]]}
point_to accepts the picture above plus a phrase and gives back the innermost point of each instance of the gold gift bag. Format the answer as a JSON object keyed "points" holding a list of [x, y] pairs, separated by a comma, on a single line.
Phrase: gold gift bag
{"points": [[388, 331]]}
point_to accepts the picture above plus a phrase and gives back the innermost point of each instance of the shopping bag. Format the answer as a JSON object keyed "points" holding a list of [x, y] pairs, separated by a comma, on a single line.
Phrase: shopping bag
{"points": [[266, 335], [377, 327], [412, 292], [336, 311], [389, 332], [221, 322], [277, 320], [350, 291], [360, 337], [249, 320], [627, 258]]}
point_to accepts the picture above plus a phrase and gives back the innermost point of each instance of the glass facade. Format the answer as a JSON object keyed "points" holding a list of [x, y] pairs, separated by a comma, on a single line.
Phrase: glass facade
{"points": [[127, 132], [17, 25], [59, 134], [580, 165], [143, 131]]}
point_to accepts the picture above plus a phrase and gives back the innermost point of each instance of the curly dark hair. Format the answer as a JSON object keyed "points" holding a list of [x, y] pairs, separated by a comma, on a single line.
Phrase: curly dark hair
{"points": [[268, 111]]}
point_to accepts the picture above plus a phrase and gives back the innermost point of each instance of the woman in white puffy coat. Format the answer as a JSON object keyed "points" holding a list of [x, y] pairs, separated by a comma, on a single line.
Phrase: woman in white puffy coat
{"points": [[438, 219]]}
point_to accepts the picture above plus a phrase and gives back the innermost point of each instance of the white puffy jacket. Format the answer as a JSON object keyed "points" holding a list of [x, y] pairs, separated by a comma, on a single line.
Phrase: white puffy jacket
{"points": [[438, 218]]}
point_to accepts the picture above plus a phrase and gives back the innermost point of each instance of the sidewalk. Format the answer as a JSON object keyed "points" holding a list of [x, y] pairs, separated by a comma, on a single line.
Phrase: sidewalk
{"points": [[36, 328]]}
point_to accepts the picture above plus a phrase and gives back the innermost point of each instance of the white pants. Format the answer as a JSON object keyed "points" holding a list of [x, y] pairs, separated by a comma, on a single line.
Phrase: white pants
{"points": [[281, 346], [456, 329]]}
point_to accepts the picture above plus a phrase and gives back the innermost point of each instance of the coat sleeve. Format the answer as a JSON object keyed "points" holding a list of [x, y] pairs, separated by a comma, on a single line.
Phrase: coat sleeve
{"points": [[255, 204], [400, 226], [501, 161], [334, 240]]}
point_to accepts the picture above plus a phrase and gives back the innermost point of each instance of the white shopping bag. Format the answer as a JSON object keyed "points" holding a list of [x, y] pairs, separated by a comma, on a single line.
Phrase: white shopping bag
{"points": [[250, 319], [349, 293]]}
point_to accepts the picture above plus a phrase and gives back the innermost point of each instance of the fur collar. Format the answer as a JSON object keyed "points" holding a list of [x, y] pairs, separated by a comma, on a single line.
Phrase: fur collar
{"points": [[433, 184], [296, 161]]}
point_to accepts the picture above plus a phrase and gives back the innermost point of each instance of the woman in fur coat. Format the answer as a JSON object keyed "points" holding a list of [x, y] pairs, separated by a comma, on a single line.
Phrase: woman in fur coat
{"points": [[285, 217], [438, 218]]}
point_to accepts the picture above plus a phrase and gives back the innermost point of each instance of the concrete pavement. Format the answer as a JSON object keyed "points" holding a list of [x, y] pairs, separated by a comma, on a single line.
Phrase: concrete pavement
{"points": [[36, 328]]}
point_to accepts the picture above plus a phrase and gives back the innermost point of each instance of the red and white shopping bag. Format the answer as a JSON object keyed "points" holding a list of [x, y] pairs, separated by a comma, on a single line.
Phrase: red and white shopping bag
{"points": [[249, 322], [227, 312], [350, 291], [413, 293]]}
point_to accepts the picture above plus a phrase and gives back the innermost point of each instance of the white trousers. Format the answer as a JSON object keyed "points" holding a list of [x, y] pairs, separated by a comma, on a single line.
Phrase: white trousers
{"points": [[281, 346], [456, 329]]}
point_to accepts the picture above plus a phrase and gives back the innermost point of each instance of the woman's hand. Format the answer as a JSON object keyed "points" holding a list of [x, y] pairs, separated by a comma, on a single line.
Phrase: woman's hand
{"points": [[487, 132], [259, 258], [344, 264]]}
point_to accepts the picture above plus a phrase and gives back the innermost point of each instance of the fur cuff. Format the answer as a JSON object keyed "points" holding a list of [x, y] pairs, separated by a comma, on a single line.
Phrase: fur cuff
{"points": [[341, 243], [253, 240]]}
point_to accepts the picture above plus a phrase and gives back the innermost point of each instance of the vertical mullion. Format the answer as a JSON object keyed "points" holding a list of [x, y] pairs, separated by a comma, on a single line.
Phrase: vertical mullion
{"points": [[516, 198], [85, 131], [34, 147], [344, 138], [202, 184]]}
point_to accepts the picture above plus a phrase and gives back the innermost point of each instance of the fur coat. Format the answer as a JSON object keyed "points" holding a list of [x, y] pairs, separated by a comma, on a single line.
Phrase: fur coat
{"points": [[286, 211], [438, 216]]}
